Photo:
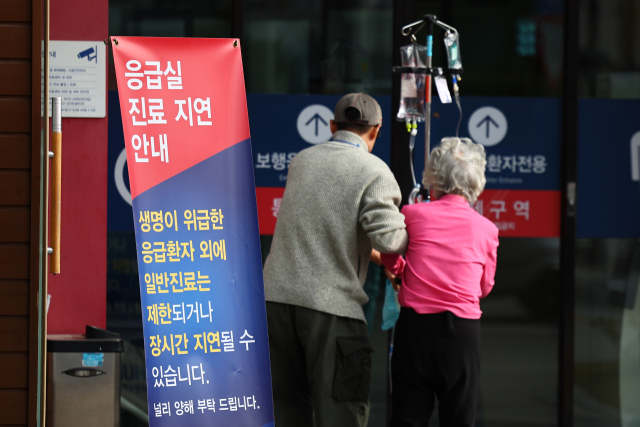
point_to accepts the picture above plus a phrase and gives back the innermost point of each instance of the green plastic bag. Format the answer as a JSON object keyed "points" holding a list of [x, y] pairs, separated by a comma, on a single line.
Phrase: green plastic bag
{"points": [[391, 308]]}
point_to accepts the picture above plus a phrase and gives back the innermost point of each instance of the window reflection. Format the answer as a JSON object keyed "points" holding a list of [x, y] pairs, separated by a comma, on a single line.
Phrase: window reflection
{"points": [[607, 339], [318, 47], [607, 308], [520, 336], [510, 48], [165, 18], [609, 49]]}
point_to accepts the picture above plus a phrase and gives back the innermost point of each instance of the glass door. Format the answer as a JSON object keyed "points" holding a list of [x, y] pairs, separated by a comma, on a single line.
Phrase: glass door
{"points": [[607, 271], [511, 103]]}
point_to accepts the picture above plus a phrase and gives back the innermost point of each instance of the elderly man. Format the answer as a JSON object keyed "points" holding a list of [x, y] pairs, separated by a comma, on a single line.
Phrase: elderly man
{"points": [[339, 203]]}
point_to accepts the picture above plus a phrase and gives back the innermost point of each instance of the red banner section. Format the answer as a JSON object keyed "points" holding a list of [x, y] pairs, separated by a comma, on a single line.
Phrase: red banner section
{"points": [[179, 107], [516, 213], [268, 199]]}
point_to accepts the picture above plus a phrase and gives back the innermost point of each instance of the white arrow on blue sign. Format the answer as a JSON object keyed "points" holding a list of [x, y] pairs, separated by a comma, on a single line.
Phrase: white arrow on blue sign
{"points": [[487, 126], [313, 123]]}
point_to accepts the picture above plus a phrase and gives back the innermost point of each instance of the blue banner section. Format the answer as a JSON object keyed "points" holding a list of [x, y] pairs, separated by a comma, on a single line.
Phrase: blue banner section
{"points": [[608, 153], [203, 309]]}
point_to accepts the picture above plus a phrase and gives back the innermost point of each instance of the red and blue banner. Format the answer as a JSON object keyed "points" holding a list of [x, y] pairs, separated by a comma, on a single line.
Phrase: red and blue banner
{"points": [[188, 151]]}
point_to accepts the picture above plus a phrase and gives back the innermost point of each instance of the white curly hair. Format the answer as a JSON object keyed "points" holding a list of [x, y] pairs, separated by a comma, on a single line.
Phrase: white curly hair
{"points": [[457, 166]]}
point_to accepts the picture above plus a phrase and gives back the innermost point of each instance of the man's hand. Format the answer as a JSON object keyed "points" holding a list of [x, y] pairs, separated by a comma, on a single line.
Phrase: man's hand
{"points": [[375, 257]]}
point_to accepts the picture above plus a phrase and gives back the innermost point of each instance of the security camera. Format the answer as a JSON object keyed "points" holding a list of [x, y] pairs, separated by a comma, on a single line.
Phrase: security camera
{"points": [[88, 54]]}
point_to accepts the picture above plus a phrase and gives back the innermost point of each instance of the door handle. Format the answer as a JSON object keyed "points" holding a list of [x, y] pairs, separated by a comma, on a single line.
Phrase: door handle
{"points": [[56, 183], [84, 372]]}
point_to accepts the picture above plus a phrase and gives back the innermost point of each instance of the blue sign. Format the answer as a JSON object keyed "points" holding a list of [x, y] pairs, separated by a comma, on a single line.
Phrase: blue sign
{"points": [[608, 203], [521, 138], [525, 157], [278, 125]]}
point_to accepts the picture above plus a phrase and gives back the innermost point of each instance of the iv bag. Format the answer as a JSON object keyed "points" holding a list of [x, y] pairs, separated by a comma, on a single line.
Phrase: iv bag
{"points": [[452, 43], [412, 86]]}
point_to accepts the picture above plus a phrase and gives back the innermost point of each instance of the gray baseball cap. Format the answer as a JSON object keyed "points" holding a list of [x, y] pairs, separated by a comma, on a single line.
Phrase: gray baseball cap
{"points": [[370, 111]]}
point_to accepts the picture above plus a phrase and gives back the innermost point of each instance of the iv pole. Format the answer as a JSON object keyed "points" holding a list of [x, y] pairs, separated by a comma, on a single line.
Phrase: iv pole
{"points": [[427, 111], [411, 30]]}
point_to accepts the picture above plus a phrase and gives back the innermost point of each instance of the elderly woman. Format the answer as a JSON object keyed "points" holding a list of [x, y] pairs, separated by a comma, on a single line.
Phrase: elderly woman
{"points": [[449, 265]]}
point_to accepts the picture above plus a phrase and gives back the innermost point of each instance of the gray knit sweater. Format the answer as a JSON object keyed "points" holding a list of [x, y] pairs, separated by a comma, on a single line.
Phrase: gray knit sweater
{"points": [[340, 200]]}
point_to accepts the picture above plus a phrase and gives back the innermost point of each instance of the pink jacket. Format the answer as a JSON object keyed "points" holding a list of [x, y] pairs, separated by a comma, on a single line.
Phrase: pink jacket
{"points": [[451, 258]]}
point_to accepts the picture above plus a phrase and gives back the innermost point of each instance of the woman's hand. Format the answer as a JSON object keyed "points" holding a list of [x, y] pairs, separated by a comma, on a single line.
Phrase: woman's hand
{"points": [[395, 280]]}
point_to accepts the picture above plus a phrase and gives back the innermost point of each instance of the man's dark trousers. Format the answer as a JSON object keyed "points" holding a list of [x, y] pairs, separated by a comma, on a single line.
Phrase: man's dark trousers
{"points": [[320, 365]]}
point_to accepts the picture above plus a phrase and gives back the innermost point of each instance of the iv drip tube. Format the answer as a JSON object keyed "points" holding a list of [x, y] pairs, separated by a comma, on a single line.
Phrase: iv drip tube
{"points": [[412, 143], [415, 192], [456, 94]]}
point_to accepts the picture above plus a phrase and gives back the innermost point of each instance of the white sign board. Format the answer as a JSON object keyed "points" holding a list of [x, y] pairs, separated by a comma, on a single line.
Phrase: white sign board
{"points": [[635, 156], [78, 75]]}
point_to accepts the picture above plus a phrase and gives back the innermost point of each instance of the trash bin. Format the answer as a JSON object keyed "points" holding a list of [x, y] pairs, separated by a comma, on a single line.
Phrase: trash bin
{"points": [[83, 379]]}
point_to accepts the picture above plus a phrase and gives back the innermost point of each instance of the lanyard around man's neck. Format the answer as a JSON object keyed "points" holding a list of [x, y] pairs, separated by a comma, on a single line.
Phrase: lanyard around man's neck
{"points": [[346, 142]]}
